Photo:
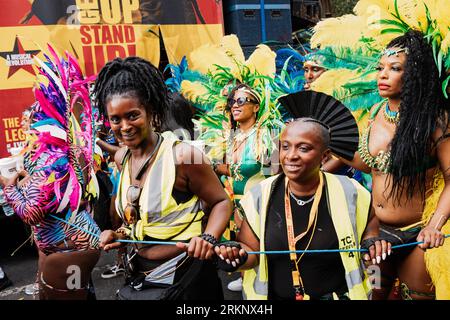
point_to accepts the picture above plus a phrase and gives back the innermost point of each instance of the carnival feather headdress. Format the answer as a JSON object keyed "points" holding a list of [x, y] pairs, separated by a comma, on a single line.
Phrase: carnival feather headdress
{"points": [[365, 34], [205, 73], [374, 24], [202, 75], [64, 127]]}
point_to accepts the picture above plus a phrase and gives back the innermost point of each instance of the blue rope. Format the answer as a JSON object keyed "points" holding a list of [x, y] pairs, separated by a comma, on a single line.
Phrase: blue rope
{"points": [[334, 250], [248, 252]]}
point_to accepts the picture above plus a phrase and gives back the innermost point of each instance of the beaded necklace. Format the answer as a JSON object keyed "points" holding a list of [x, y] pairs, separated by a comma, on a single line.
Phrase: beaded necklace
{"points": [[391, 116], [382, 161]]}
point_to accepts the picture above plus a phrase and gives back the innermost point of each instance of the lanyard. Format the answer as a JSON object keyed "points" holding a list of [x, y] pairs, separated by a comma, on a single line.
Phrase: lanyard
{"points": [[292, 240]]}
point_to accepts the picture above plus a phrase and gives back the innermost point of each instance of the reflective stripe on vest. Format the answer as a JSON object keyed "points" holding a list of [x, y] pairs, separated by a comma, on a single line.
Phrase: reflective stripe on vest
{"points": [[160, 215], [342, 192]]}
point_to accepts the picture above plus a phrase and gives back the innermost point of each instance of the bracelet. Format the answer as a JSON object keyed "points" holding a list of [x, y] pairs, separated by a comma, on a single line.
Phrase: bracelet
{"points": [[210, 238]]}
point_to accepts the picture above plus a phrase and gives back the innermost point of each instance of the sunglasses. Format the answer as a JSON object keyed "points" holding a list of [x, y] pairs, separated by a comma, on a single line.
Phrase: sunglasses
{"points": [[131, 212], [240, 101]]}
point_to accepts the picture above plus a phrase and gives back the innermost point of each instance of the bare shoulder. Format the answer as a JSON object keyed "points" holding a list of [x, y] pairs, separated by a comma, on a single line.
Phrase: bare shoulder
{"points": [[187, 154], [119, 156]]}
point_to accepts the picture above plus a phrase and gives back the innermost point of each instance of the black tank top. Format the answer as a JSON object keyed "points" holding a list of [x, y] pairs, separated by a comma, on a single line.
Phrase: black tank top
{"points": [[321, 273]]}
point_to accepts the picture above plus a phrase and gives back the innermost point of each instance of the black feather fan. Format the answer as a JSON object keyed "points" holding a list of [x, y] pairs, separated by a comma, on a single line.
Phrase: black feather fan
{"points": [[320, 106]]}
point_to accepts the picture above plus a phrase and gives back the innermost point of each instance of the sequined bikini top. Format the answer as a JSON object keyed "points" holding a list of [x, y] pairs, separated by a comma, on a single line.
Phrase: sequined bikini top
{"points": [[382, 161]]}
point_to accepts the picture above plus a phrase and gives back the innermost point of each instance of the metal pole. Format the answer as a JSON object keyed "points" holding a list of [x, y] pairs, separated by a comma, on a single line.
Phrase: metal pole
{"points": [[263, 21]]}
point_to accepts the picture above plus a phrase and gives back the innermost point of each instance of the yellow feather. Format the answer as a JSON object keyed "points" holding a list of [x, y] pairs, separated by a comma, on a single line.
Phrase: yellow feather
{"points": [[228, 53], [230, 44], [192, 90], [372, 11], [445, 44], [383, 9], [332, 79], [262, 60], [342, 31], [205, 57], [368, 7], [440, 11], [419, 16]]}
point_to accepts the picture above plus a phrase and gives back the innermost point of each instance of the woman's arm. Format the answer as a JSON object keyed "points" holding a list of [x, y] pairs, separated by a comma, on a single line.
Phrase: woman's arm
{"points": [[332, 165], [28, 202], [363, 122], [222, 169], [356, 163], [105, 146], [194, 173]]}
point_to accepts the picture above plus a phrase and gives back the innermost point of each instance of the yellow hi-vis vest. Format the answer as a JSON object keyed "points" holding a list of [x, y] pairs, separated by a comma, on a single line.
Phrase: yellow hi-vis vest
{"points": [[349, 205], [160, 215]]}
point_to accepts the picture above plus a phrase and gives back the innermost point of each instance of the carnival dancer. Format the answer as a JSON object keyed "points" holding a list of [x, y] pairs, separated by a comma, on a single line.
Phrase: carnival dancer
{"points": [[58, 182], [248, 160], [405, 145], [167, 189], [408, 135]]}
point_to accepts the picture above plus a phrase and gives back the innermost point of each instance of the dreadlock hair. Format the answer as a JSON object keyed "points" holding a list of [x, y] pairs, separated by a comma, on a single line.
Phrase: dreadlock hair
{"points": [[422, 109], [252, 93], [133, 77]]}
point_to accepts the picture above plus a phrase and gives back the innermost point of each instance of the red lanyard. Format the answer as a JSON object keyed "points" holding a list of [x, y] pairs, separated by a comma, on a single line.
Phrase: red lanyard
{"points": [[292, 239]]}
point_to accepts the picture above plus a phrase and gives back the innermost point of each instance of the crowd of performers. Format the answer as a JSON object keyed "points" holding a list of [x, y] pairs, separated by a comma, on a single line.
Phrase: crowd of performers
{"points": [[243, 165]]}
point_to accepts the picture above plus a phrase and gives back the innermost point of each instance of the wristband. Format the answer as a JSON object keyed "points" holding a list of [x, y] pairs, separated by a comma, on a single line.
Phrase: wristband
{"points": [[210, 238]]}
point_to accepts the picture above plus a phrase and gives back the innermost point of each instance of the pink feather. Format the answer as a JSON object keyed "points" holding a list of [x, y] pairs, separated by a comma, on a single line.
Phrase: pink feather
{"points": [[58, 64]]}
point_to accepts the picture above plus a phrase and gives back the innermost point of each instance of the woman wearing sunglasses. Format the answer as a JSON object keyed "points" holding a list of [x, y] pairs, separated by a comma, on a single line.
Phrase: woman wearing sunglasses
{"points": [[166, 190], [246, 155]]}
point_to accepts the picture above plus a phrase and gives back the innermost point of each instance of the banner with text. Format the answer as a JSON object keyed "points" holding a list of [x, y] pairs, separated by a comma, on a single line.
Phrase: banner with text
{"points": [[94, 31]]}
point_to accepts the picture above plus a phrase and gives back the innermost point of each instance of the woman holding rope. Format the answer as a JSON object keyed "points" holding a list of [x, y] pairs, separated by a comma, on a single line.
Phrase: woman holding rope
{"points": [[299, 209], [167, 190], [406, 149]]}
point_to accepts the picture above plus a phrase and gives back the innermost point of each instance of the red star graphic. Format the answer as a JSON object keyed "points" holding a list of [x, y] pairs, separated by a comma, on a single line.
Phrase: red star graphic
{"points": [[18, 49]]}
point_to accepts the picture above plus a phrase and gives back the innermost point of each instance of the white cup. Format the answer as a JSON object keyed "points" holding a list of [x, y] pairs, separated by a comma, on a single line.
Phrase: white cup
{"points": [[8, 167]]}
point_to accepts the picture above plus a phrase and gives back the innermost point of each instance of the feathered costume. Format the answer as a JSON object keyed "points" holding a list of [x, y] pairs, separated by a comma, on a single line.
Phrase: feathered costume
{"points": [[213, 71], [61, 166], [351, 46]]}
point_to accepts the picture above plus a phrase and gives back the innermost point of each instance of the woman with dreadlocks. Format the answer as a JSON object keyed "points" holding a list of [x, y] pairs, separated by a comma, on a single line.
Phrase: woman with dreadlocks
{"points": [[407, 150], [166, 190]]}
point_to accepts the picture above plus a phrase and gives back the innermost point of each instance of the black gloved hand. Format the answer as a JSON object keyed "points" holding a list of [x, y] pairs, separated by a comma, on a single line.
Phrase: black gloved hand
{"points": [[229, 267]]}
